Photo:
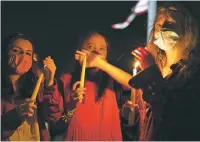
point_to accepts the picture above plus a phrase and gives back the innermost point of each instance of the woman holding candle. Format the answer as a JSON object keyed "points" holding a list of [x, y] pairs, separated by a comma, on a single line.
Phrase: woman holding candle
{"points": [[96, 114], [170, 77], [18, 111]]}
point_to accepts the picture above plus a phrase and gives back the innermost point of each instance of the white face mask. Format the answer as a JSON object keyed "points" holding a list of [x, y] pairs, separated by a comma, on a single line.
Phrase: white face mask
{"points": [[166, 40]]}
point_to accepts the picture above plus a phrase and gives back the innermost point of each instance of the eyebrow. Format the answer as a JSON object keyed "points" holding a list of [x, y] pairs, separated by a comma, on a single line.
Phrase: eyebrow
{"points": [[21, 48]]}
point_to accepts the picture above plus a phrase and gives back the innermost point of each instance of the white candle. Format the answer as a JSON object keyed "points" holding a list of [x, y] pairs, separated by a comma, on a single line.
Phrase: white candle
{"points": [[131, 119], [134, 71], [135, 68], [82, 79]]}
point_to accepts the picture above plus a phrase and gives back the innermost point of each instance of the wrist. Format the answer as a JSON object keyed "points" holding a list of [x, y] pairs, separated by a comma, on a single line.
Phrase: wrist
{"points": [[49, 82], [100, 63]]}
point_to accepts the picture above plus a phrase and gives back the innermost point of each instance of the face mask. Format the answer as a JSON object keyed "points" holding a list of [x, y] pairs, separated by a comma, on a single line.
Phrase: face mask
{"points": [[166, 40], [19, 62]]}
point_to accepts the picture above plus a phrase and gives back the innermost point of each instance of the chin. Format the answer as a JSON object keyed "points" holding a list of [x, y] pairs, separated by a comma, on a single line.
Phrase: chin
{"points": [[20, 72]]}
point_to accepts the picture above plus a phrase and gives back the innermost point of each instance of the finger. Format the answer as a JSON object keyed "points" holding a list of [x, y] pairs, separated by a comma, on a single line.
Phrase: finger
{"points": [[30, 110], [80, 52], [48, 57], [143, 51], [80, 98], [136, 106], [80, 93], [77, 58], [45, 62], [48, 62], [75, 85], [136, 55], [76, 55], [86, 51], [32, 106], [81, 89], [50, 65], [50, 68], [30, 114], [129, 102], [28, 100]]}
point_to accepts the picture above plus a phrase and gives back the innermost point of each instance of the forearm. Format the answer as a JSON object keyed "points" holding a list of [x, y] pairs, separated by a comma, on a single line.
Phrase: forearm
{"points": [[117, 74]]}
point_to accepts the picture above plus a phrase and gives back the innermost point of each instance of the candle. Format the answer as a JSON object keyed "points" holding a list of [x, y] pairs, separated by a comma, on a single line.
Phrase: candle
{"points": [[82, 80], [37, 87], [131, 119], [134, 71], [135, 68]]}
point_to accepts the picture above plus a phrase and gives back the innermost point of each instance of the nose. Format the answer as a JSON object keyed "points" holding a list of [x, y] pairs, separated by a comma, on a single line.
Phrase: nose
{"points": [[95, 52]]}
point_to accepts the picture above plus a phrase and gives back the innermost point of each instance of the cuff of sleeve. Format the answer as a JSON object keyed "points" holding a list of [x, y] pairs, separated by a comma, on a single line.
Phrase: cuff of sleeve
{"points": [[148, 76]]}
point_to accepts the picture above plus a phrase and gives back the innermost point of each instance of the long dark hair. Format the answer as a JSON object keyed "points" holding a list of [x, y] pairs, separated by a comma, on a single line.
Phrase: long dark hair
{"points": [[26, 81], [104, 78]]}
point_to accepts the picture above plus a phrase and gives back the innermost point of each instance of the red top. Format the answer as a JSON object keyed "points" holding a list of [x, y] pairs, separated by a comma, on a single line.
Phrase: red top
{"points": [[94, 120]]}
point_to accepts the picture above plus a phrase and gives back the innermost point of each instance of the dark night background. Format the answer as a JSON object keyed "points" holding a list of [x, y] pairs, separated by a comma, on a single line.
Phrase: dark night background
{"points": [[56, 26]]}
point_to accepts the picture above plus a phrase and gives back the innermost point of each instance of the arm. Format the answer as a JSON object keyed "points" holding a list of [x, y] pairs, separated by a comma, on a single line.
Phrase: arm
{"points": [[117, 74], [58, 117], [94, 60]]}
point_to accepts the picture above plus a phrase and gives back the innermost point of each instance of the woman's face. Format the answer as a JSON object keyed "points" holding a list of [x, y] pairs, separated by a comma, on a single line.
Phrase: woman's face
{"points": [[20, 56], [96, 43]]}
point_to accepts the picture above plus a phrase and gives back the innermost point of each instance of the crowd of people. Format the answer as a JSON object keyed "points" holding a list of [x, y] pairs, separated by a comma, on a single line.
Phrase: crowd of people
{"points": [[167, 90]]}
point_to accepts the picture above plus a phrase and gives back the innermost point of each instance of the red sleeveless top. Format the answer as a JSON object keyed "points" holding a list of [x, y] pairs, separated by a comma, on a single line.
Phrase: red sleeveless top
{"points": [[94, 120]]}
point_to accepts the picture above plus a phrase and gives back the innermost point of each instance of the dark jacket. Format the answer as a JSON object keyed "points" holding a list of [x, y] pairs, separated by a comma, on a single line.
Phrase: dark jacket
{"points": [[175, 101]]}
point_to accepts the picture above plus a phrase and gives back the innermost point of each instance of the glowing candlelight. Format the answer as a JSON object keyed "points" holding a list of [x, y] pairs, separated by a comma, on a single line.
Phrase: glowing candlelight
{"points": [[135, 68]]}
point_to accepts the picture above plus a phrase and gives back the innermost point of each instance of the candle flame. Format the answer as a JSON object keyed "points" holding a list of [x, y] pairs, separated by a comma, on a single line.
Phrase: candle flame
{"points": [[137, 64]]}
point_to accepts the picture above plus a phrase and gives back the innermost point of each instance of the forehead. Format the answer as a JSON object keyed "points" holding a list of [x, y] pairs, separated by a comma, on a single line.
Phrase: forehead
{"points": [[165, 17], [97, 39], [22, 43]]}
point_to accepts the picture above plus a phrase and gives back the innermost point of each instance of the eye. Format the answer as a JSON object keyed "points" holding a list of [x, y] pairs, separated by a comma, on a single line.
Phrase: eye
{"points": [[29, 54], [90, 46], [14, 50], [102, 49]]}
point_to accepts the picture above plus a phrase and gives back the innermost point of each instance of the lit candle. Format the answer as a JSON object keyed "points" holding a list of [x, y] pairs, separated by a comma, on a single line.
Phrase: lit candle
{"points": [[135, 68], [131, 119]]}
